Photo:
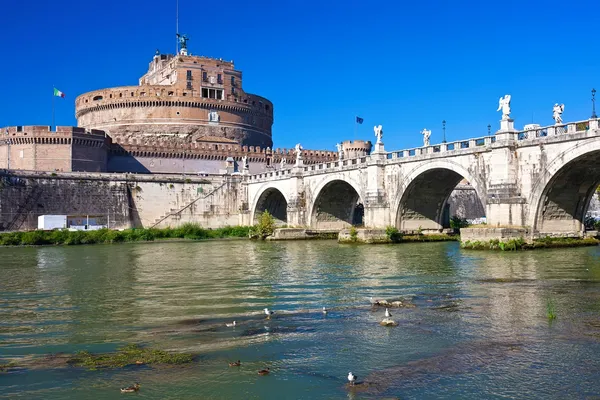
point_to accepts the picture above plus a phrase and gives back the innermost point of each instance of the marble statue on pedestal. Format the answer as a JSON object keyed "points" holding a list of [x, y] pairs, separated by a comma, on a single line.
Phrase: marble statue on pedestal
{"points": [[282, 163], [426, 135], [340, 151], [378, 133], [245, 162], [299, 149], [557, 113], [504, 105]]}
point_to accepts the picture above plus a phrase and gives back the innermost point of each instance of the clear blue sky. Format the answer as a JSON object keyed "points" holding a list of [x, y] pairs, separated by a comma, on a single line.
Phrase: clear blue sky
{"points": [[404, 64]]}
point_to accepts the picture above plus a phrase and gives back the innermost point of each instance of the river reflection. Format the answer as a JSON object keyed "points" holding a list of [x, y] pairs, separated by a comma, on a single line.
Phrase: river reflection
{"points": [[474, 324]]}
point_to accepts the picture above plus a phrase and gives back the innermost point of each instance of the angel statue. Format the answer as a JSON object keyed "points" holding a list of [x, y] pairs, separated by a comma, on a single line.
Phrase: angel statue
{"points": [[378, 133], [426, 134], [556, 113], [340, 150], [299, 149], [282, 163], [504, 105], [245, 162]]}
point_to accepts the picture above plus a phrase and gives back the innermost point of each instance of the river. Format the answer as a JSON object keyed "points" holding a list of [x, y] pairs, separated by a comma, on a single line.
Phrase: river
{"points": [[476, 327]]}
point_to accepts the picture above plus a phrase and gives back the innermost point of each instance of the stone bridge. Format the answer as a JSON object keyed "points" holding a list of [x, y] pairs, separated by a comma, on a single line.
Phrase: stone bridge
{"points": [[542, 180]]}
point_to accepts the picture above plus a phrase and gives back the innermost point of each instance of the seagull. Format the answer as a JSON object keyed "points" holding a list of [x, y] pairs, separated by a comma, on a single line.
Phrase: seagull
{"points": [[387, 313], [351, 378], [324, 310], [268, 313], [229, 325]]}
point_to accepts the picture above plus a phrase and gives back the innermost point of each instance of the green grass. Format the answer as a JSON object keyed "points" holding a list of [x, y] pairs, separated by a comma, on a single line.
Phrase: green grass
{"points": [[521, 244], [128, 355], [72, 238], [550, 310]]}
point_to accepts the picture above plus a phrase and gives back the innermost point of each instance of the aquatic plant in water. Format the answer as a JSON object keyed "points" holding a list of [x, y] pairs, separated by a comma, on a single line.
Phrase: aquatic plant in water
{"points": [[128, 355]]}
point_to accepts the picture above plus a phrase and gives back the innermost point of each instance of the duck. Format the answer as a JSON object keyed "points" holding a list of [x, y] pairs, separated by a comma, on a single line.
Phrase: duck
{"points": [[388, 322], [379, 302], [352, 378], [387, 313], [235, 363], [131, 389], [324, 310], [268, 312], [229, 325], [264, 371]]}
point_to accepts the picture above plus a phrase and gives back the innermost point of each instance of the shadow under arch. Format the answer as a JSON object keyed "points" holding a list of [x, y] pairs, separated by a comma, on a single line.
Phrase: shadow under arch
{"points": [[338, 205], [423, 204], [567, 193], [273, 201]]}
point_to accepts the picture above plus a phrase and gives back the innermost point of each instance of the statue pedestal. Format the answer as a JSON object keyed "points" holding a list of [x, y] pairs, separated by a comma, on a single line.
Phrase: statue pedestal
{"points": [[507, 125], [379, 148]]}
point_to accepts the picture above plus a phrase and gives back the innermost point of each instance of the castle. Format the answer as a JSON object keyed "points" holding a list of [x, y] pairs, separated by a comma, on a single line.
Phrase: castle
{"points": [[188, 114]]}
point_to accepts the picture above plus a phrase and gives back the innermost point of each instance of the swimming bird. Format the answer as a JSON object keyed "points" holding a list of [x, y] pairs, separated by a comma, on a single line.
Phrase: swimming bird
{"points": [[324, 310], [387, 313], [352, 378], [229, 325], [235, 363], [264, 371], [268, 312], [131, 389]]}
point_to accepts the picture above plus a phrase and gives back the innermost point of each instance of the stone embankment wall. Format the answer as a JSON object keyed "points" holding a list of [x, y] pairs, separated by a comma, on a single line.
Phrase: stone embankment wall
{"points": [[122, 200]]}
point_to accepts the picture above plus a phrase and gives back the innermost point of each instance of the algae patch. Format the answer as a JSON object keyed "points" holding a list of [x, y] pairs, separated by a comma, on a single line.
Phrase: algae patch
{"points": [[128, 355]]}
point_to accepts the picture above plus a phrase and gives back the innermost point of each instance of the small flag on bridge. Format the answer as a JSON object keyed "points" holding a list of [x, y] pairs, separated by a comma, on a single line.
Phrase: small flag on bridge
{"points": [[359, 120]]}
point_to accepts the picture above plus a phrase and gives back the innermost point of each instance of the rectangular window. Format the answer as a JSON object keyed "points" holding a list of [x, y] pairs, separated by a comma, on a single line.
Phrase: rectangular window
{"points": [[232, 90], [189, 85], [219, 78], [204, 92], [233, 81], [219, 94], [189, 74], [212, 94], [205, 76]]}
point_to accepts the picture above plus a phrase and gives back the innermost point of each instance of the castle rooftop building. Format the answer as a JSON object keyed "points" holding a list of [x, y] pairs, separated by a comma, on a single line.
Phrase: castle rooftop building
{"points": [[181, 98]]}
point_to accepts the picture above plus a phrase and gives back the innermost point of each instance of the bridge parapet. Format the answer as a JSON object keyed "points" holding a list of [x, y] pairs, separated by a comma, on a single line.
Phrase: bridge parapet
{"points": [[557, 129]]}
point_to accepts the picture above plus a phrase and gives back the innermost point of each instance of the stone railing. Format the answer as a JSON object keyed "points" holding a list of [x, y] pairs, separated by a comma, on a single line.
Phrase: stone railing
{"points": [[558, 129], [329, 166], [442, 147]]}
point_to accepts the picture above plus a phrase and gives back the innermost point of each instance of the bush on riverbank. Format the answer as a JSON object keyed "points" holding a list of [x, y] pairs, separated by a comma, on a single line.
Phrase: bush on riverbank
{"points": [[521, 244], [70, 238]]}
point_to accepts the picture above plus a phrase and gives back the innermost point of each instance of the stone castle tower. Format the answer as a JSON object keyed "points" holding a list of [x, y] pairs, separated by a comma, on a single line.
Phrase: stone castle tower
{"points": [[180, 99]]}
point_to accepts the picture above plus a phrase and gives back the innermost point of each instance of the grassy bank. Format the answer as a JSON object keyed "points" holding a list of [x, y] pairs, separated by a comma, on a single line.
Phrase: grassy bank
{"points": [[65, 237], [521, 244]]}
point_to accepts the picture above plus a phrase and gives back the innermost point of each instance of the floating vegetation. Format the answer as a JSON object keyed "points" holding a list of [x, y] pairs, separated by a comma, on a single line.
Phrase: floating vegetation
{"points": [[8, 366], [550, 310], [129, 355]]}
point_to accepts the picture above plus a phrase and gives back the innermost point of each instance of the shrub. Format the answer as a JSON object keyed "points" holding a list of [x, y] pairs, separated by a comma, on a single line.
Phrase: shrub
{"points": [[353, 234], [457, 222], [393, 234], [265, 226]]}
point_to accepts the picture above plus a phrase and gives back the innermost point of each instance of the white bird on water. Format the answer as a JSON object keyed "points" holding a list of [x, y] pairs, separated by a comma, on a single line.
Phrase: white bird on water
{"points": [[387, 313], [229, 325], [324, 310], [268, 312], [351, 378]]}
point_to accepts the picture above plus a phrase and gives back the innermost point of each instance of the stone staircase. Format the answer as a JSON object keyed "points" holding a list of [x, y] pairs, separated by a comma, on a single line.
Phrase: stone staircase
{"points": [[174, 211]]}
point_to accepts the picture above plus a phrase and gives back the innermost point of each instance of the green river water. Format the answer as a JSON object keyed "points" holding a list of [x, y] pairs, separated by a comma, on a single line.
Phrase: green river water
{"points": [[478, 328]]}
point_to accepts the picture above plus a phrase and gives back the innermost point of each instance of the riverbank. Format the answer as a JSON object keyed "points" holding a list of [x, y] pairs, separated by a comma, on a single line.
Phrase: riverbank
{"points": [[521, 244], [71, 238]]}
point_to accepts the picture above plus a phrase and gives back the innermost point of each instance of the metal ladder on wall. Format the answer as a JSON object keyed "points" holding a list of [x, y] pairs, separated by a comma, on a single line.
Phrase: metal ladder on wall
{"points": [[25, 208]]}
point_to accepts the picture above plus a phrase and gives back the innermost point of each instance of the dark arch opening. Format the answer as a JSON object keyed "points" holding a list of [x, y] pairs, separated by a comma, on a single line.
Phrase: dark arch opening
{"points": [[434, 197], [567, 196], [273, 201], [337, 206]]}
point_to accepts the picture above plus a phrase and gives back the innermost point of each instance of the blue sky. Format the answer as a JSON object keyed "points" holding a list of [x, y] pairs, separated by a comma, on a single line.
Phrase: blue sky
{"points": [[407, 65]]}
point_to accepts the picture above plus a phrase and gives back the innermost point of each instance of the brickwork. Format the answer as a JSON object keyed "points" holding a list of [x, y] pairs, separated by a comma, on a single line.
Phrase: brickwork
{"points": [[176, 100], [37, 148]]}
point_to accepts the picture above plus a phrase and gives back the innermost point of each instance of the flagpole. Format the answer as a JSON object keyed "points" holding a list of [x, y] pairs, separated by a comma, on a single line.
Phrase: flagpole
{"points": [[355, 126], [53, 96]]}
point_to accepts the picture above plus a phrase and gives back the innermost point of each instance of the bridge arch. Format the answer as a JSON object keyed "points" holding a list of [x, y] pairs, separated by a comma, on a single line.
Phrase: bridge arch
{"points": [[424, 192], [337, 204], [273, 200], [562, 193]]}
